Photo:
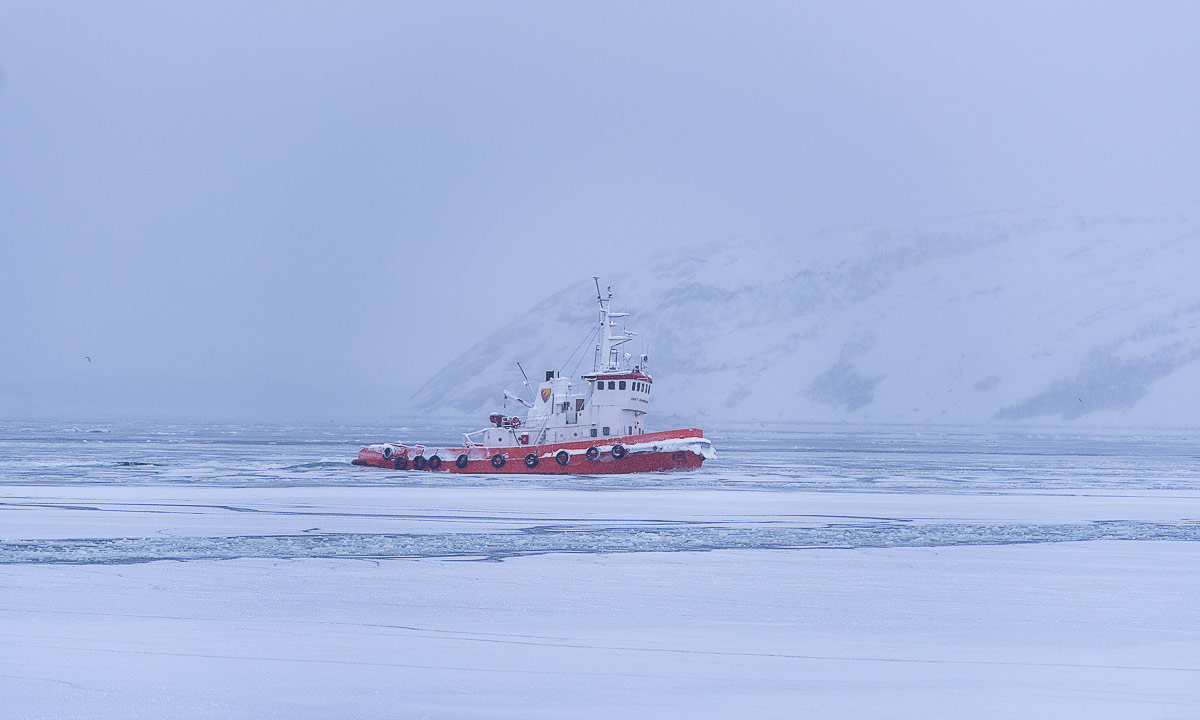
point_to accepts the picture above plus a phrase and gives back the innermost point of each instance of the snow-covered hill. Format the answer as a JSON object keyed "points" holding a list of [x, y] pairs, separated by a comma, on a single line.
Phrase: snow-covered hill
{"points": [[1048, 317]]}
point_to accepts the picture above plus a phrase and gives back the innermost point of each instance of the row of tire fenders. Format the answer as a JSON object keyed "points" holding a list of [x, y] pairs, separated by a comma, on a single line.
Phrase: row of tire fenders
{"points": [[562, 457]]}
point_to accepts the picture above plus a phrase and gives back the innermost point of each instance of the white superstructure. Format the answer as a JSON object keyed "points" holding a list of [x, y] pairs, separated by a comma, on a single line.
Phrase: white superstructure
{"points": [[612, 400]]}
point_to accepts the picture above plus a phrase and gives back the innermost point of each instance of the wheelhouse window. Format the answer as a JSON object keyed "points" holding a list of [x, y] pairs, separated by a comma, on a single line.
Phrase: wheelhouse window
{"points": [[605, 430], [612, 385], [621, 385], [593, 432]]}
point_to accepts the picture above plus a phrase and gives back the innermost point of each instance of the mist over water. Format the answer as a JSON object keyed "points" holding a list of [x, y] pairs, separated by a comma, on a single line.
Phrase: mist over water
{"points": [[297, 211]]}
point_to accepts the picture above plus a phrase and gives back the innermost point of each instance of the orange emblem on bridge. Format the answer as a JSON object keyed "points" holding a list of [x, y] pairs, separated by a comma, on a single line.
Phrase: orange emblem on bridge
{"points": [[545, 394]]}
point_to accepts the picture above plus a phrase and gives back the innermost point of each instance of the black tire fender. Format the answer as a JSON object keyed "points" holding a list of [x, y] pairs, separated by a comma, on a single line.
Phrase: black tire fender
{"points": [[563, 457], [400, 463], [618, 451], [435, 462], [498, 461], [593, 453], [388, 452], [461, 462], [531, 460], [419, 462]]}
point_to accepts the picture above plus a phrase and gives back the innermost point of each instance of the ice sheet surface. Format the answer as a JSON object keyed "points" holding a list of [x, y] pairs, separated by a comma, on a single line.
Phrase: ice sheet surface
{"points": [[234, 571]]}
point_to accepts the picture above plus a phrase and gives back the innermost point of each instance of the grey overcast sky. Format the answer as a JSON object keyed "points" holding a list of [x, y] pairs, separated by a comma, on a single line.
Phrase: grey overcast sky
{"points": [[296, 209]]}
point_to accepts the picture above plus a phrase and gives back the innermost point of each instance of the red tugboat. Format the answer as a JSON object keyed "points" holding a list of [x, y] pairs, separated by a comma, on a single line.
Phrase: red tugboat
{"points": [[593, 426]]}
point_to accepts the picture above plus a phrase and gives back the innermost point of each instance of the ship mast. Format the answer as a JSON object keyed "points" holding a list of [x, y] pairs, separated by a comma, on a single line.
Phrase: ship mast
{"points": [[606, 351]]}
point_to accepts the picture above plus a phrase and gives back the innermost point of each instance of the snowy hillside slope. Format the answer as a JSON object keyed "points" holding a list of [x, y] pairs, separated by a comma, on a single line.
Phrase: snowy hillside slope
{"points": [[1051, 317]]}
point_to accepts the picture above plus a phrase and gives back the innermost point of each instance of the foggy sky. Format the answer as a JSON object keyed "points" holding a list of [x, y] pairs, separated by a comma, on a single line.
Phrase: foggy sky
{"points": [[305, 209]]}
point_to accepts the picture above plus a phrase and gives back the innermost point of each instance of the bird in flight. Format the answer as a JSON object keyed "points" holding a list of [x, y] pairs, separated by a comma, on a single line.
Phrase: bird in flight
{"points": [[88, 358]]}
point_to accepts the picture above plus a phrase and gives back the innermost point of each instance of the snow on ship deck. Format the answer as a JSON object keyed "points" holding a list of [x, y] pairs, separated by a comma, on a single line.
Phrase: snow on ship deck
{"points": [[683, 449]]}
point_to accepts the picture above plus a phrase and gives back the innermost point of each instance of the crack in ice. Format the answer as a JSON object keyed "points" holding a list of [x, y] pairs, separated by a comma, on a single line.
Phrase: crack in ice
{"points": [[543, 540]]}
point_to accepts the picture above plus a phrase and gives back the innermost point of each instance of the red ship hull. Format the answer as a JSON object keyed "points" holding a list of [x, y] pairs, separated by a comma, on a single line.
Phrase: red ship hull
{"points": [[650, 452]]}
